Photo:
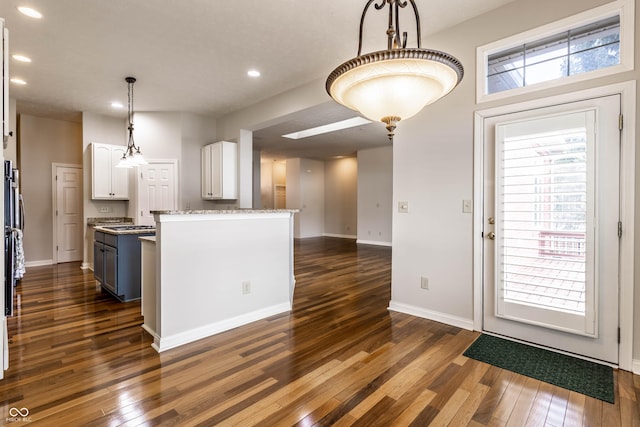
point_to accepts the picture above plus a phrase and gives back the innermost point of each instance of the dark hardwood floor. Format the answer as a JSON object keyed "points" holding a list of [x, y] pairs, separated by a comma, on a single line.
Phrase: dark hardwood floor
{"points": [[79, 358]]}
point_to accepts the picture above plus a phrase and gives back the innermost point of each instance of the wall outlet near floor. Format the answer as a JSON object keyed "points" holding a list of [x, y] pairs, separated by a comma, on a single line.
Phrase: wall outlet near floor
{"points": [[246, 287], [424, 283]]}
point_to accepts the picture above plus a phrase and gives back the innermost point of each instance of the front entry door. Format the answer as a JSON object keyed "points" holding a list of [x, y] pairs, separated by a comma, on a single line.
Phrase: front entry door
{"points": [[550, 227]]}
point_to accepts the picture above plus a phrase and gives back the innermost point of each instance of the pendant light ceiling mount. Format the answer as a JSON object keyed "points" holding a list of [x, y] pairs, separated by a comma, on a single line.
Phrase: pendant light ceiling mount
{"points": [[132, 157], [394, 84]]}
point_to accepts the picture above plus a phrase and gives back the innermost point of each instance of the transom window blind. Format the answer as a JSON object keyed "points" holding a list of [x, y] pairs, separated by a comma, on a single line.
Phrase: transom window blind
{"points": [[579, 50]]}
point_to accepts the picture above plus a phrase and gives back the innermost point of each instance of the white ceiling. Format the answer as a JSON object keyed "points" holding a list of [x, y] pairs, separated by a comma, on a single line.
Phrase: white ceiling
{"points": [[193, 55]]}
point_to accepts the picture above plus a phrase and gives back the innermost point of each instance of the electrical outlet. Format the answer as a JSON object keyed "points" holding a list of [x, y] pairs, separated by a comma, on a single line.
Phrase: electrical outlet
{"points": [[104, 210], [246, 287], [424, 283]]}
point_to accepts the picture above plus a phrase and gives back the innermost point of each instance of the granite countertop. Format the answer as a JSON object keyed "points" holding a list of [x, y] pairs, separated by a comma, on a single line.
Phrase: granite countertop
{"points": [[106, 229], [92, 222], [225, 211]]}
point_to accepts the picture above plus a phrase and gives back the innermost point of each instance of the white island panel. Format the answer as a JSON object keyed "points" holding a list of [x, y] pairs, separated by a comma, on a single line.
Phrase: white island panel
{"points": [[215, 272]]}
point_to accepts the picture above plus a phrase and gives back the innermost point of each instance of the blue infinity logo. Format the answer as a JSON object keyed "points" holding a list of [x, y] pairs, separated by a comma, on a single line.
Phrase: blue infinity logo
{"points": [[14, 412]]}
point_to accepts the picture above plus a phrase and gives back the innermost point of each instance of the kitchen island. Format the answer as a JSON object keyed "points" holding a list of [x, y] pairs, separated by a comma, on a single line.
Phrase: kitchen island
{"points": [[116, 250], [210, 271]]}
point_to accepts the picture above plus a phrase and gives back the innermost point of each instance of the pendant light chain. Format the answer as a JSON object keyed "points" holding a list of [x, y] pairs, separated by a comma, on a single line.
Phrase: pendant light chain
{"points": [[130, 115], [131, 145]]}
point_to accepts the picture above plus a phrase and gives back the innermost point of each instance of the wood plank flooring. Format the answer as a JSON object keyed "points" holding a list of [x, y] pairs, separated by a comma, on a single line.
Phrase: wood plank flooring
{"points": [[79, 358]]}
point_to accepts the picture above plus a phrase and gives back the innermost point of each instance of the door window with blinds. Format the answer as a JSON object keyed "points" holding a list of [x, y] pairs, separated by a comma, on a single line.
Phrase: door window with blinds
{"points": [[545, 211]]}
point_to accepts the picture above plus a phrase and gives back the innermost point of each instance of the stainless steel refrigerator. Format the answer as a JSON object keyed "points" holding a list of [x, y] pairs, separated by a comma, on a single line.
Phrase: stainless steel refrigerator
{"points": [[13, 227]]}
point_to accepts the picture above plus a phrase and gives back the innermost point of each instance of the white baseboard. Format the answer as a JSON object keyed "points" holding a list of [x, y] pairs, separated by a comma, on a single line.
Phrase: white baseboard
{"points": [[340, 236], [165, 343], [432, 315], [86, 266], [373, 242], [153, 334], [39, 263], [635, 366]]}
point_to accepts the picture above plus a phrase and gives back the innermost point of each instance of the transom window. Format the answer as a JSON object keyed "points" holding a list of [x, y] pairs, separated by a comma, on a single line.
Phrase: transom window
{"points": [[588, 45], [575, 51]]}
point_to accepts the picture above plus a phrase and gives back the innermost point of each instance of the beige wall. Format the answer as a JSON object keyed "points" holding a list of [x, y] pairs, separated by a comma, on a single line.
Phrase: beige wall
{"points": [[43, 142], [305, 191], [375, 195], [340, 197]]}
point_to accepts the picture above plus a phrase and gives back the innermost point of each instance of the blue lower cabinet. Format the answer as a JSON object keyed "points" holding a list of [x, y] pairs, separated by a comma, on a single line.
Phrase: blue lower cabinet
{"points": [[116, 261]]}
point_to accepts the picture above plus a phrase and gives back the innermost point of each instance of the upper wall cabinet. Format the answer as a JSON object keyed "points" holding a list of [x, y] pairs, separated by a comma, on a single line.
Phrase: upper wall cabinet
{"points": [[220, 171], [107, 181]]}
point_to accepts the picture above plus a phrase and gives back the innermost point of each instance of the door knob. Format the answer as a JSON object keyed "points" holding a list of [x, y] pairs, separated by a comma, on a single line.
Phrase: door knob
{"points": [[491, 235]]}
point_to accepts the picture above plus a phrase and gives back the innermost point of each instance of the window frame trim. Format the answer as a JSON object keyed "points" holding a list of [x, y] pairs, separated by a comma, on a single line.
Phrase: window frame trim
{"points": [[624, 8]]}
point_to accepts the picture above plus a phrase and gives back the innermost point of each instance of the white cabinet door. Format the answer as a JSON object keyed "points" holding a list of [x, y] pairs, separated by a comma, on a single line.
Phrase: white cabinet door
{"points": [[216, 170], [107, 181], [206, 172], [119, 176], [220, 171], [100, 171]]}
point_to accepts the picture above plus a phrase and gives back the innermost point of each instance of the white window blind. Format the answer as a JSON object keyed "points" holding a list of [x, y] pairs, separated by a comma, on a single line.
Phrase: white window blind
{"points": [[543, 206], [578, 50]]}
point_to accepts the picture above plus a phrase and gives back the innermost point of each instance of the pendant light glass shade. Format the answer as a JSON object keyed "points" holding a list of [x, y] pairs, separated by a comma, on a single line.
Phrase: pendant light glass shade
{"points": [[124, 163], [394, 84]]}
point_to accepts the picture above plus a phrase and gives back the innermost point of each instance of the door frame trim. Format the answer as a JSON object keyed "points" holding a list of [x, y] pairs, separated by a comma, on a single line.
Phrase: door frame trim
{"points": [[54, 201], [627, 92]]}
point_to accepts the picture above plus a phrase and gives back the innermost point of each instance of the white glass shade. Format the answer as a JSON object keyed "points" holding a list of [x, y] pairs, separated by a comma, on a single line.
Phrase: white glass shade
{"points": [[137, 159], [124, 163], [393, 87]]}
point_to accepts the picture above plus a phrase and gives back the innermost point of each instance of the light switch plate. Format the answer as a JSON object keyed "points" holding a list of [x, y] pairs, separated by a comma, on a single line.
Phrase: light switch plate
{"points": [[403, 207], [467, 206]]}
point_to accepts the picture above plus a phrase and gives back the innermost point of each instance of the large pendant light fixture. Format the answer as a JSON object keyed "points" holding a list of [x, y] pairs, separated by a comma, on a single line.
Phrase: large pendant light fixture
{"points": [[394, 84], [132, 156]]}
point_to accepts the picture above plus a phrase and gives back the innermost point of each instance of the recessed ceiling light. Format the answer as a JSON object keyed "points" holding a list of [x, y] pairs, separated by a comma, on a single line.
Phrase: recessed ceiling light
{"points": [[21, 58], [18, 81], [117, 105], [331, 127], [253, 73], [30, 12]]}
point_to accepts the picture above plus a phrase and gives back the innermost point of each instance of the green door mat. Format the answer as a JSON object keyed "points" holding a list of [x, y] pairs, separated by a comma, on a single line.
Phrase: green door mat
{"points": [[582, 376]]}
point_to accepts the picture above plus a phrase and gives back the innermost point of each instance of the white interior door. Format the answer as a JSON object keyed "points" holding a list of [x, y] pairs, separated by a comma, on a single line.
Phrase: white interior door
{"points": [[69, 226], [280, 196], [157, 190], [551, 215]]}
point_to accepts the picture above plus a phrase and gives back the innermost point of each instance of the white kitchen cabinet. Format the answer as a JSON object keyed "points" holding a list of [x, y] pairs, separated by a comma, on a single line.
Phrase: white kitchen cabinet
{"points": [[220, 171], [107, 181]]}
